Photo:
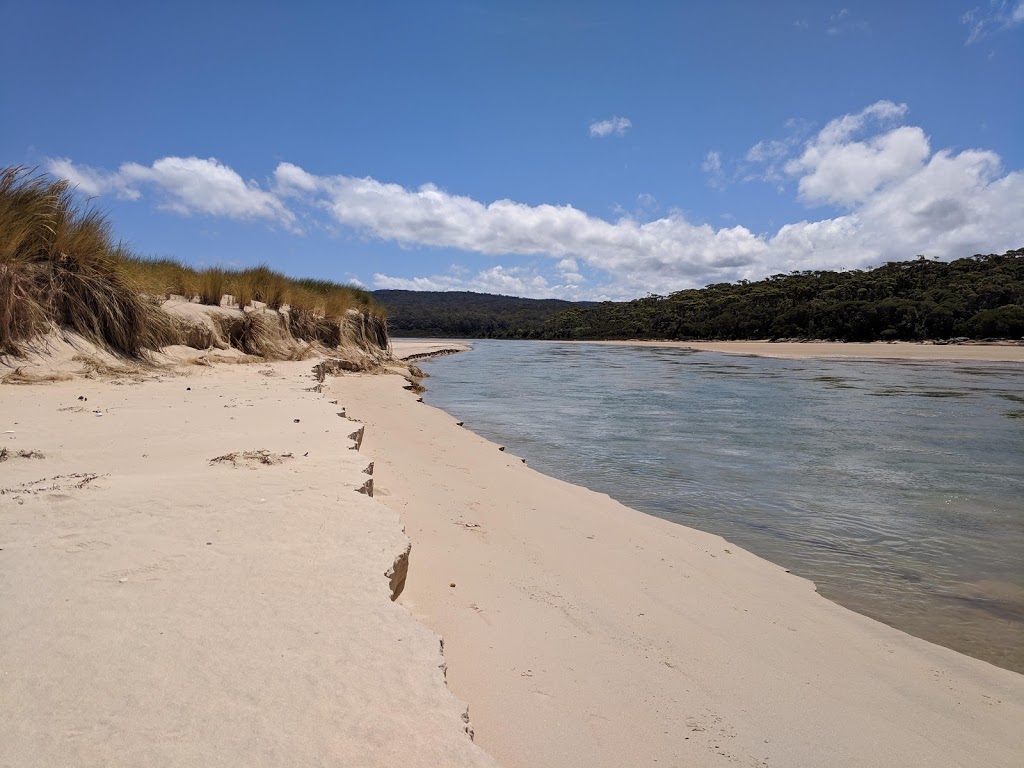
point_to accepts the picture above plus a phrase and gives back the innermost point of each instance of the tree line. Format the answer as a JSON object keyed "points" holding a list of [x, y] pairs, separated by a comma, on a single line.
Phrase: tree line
{"points": [[981, 296]]}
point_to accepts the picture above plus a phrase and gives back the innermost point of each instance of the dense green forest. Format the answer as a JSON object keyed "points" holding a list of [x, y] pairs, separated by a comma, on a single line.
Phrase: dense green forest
{"points": [[977, 297], [461, 314]]}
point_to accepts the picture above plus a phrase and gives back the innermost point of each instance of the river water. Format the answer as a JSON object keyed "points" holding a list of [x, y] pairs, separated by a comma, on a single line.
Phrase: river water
{"points": [[898, 488]]}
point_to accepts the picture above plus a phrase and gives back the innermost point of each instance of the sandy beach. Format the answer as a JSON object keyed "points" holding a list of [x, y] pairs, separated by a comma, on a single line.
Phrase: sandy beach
{"points": [[583, 633], [897, 350], [188, 576]]}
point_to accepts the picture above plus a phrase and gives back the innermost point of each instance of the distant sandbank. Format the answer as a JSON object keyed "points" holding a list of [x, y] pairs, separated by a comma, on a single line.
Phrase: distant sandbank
{"points": [[879, 350]]}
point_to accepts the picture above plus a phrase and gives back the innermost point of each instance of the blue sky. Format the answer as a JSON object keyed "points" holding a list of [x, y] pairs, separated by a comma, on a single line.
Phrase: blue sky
{"points": [[569, 149]]}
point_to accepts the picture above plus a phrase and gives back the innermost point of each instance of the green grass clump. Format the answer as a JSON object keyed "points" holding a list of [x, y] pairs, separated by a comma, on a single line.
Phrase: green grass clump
{"points": [[161, 278], [60, 266], [213, 284]]}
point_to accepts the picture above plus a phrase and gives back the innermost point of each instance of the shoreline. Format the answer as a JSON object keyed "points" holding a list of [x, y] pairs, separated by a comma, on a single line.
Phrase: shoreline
{"points": [[905, 351], [700, 652], [221, 506], [901, 351]]}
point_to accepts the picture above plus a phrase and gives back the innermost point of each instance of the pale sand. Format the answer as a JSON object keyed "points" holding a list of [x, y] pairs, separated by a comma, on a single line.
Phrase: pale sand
{"points": [[581, 632], [900, 350], [157, 610], [584, 633]]}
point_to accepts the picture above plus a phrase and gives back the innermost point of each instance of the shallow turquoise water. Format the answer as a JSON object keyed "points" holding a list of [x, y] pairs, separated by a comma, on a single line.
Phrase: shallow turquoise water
{"points": [[898, 488]]}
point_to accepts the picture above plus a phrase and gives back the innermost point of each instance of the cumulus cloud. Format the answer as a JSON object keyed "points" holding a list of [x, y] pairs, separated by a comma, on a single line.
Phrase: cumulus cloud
{"points": [[893, 197], [613, 126], [764, 161], [1000, 15], [834, 168], [186, 185], [432, 216], [506, 281]]}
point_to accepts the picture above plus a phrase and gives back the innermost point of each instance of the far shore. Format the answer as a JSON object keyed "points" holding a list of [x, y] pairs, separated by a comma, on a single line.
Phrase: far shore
{"points": [[992, 352], [877, 350]]}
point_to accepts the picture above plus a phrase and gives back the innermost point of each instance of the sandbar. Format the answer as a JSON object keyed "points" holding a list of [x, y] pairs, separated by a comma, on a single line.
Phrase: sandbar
{"points": [[879, 350]]}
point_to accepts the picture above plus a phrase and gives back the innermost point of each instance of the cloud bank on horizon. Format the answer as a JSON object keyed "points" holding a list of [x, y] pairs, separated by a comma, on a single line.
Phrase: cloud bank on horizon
{"points": [[886, 193]]}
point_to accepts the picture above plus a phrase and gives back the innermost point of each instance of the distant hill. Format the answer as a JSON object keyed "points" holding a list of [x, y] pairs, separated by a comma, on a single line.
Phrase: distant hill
{"points": [[976, 297], [981, 296], [462, 314]]}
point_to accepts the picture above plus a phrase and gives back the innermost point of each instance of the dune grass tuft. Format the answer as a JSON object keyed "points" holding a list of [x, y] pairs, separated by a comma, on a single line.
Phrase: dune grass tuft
{"points": [[60, 266], [213, 285]]}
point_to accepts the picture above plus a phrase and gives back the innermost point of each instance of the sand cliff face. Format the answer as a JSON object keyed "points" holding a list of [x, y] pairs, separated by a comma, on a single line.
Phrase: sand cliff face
{"points": [[188, 576]]}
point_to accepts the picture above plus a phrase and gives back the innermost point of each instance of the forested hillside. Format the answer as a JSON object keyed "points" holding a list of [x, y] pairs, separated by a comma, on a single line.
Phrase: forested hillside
{"points": [[461, 314], [977, 297]]}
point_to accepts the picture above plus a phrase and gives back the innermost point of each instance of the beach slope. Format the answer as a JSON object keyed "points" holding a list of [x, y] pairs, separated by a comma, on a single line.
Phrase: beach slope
{"points": [[584, 633]]}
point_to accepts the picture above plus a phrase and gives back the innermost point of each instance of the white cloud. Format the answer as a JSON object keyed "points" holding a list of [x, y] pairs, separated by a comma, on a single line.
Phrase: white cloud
{"points": [[765, 159], [1000, 15], [188, 185], [835, 168], [506, 281], [646, 202], [848, 172], [614, 126], [767, 151], [430, 216], [91, 182], [894, 198], [842, 128], [712, 168], [712, 163]]}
